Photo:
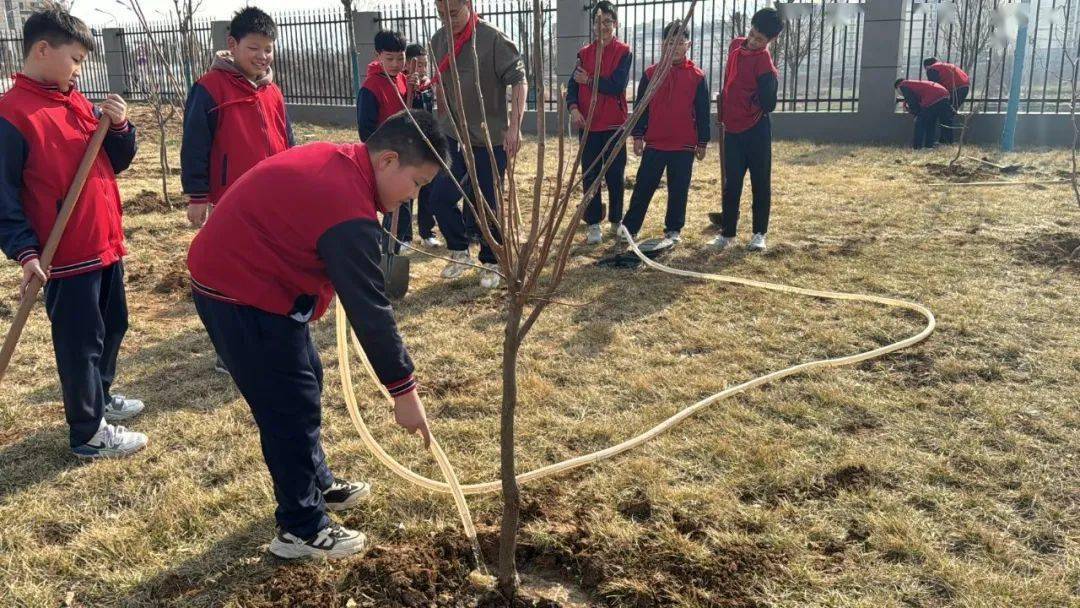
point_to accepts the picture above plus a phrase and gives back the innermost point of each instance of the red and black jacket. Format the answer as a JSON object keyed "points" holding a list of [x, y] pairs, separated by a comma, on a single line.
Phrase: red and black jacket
{"points": [[43, 136], [948, 75], [682, 124], [921, 94], [378, 100], [230, 125], [614, 73], [749, 86], [293, 231]]}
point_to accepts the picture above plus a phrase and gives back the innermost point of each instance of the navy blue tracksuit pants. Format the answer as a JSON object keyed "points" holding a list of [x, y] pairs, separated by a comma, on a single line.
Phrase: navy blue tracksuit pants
{"points": [[274, 363], [89, 318], [614, 178], [750, 151], [926, 123], [445, 196], [680, 168]]}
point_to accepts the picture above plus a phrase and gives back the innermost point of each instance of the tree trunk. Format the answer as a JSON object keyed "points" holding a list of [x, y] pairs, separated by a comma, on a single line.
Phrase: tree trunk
{"points": [[508, 579]]}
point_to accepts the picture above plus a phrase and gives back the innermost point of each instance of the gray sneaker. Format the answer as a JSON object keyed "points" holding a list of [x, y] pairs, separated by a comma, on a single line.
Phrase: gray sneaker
{"points": [[111, 442], [757, 242], [722, 242], [121, 408], [345, 494], [593, 234], [673, 236], [331, 542], [460, 264]]}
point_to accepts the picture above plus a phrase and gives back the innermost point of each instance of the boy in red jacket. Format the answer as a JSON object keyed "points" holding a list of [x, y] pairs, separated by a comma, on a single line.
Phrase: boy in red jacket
{"points": [[291, 233], [749, 95], [235, 117], [609, 115], [957, 83], [45, 127], [929, 102], [670, 138]]}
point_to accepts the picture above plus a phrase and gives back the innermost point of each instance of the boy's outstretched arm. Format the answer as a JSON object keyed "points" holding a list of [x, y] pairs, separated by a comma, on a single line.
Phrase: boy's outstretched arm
{"points": [[200, 124], [367, 113]]}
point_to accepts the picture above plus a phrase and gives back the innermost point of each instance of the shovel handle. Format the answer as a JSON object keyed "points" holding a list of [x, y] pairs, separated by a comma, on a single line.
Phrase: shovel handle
{"points": [[30, 295]]}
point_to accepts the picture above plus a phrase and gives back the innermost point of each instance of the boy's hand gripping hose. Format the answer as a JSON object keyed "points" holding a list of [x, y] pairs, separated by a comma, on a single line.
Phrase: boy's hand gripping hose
{"points": [[458, 491]]}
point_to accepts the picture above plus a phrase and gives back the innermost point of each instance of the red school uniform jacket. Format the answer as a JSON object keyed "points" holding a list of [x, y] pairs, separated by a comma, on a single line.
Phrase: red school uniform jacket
{"points": [[378, 99], [749, 86], [921, 94], [614, 73], [948, 75], [230, 124], [294, 230], [43, 136], [678, 115]]}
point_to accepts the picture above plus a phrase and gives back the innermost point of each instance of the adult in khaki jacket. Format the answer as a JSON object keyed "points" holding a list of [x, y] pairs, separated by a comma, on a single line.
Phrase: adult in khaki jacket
{"points": [[499, 66]]}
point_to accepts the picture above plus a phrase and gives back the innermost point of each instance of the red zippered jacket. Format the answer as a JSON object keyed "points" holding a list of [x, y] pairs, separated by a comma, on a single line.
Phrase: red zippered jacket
{"points": [[298, 228], [230, 125], [43, 136], [614, 73], [678, 115]]}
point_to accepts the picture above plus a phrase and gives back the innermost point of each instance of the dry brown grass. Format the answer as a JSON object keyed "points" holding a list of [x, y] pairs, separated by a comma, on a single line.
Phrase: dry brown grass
{"points": [[945, 475]]}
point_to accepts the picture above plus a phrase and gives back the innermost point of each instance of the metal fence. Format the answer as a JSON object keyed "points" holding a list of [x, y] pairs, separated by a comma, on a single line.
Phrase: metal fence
{"points": [[93, 78], [313, 58], [418, 22], [157, 56], [817, 54], [973, 35]]}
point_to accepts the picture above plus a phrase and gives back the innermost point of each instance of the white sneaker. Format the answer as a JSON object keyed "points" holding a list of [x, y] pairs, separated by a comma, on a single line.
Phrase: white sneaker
{"points": [[111, 442], [489, 276], [331, 542], [757, 243], [458, 267], [593, 234], [624, 232], [121, 408], [431, 241], [721, 242], [342, 495], [673, 236], [405, 248]]}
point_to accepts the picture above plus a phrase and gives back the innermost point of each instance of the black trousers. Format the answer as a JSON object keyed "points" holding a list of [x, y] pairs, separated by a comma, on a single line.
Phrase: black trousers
{"points": [[614, 178], [750, 151], [947, 122], [445, 196], [89, 318], [680, 169], [926, 124], [274, 363]]}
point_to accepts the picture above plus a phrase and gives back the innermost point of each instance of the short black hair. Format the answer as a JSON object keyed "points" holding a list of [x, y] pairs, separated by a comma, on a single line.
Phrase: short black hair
{"points": [[387, 41], [768, 22], [57, 27], [897, 83], [929, 61], [399, 134], [250, 20], [671, 28], [608, 8], [415, 50]]}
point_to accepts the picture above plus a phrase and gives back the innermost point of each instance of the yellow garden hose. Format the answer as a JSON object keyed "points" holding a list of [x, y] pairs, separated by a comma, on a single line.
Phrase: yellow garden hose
{"points": [[458, 491]]}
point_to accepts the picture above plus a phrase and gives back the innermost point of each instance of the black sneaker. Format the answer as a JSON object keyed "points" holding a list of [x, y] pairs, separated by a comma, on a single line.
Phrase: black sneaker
{"points": [[345, 494], [331, 542]]}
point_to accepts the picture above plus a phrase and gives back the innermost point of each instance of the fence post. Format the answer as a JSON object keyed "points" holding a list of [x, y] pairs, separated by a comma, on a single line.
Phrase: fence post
{"points": [[219, 35], [113, 43], [365, 26], [883, 24], [574, 32]]}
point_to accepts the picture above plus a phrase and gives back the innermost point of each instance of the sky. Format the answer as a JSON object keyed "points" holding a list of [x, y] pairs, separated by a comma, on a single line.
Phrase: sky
{"points": [[91, 11]]}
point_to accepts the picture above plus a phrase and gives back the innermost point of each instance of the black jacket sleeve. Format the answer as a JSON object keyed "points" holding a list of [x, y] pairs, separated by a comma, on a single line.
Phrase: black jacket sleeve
{"points": [[911, 100], [17, 237], [571, 93], [617, 83], [200, 124], [767, 86], [701, 113], [367, 113], [642, 124], [351, 253], [120, 146]]}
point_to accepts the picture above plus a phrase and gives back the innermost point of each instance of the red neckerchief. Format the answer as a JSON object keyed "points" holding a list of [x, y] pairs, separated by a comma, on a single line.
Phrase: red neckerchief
{"points": [[459, 43]]}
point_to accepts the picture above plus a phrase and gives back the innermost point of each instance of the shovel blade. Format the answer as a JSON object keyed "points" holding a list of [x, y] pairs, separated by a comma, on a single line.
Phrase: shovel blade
{"points": [[395, 275]]}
